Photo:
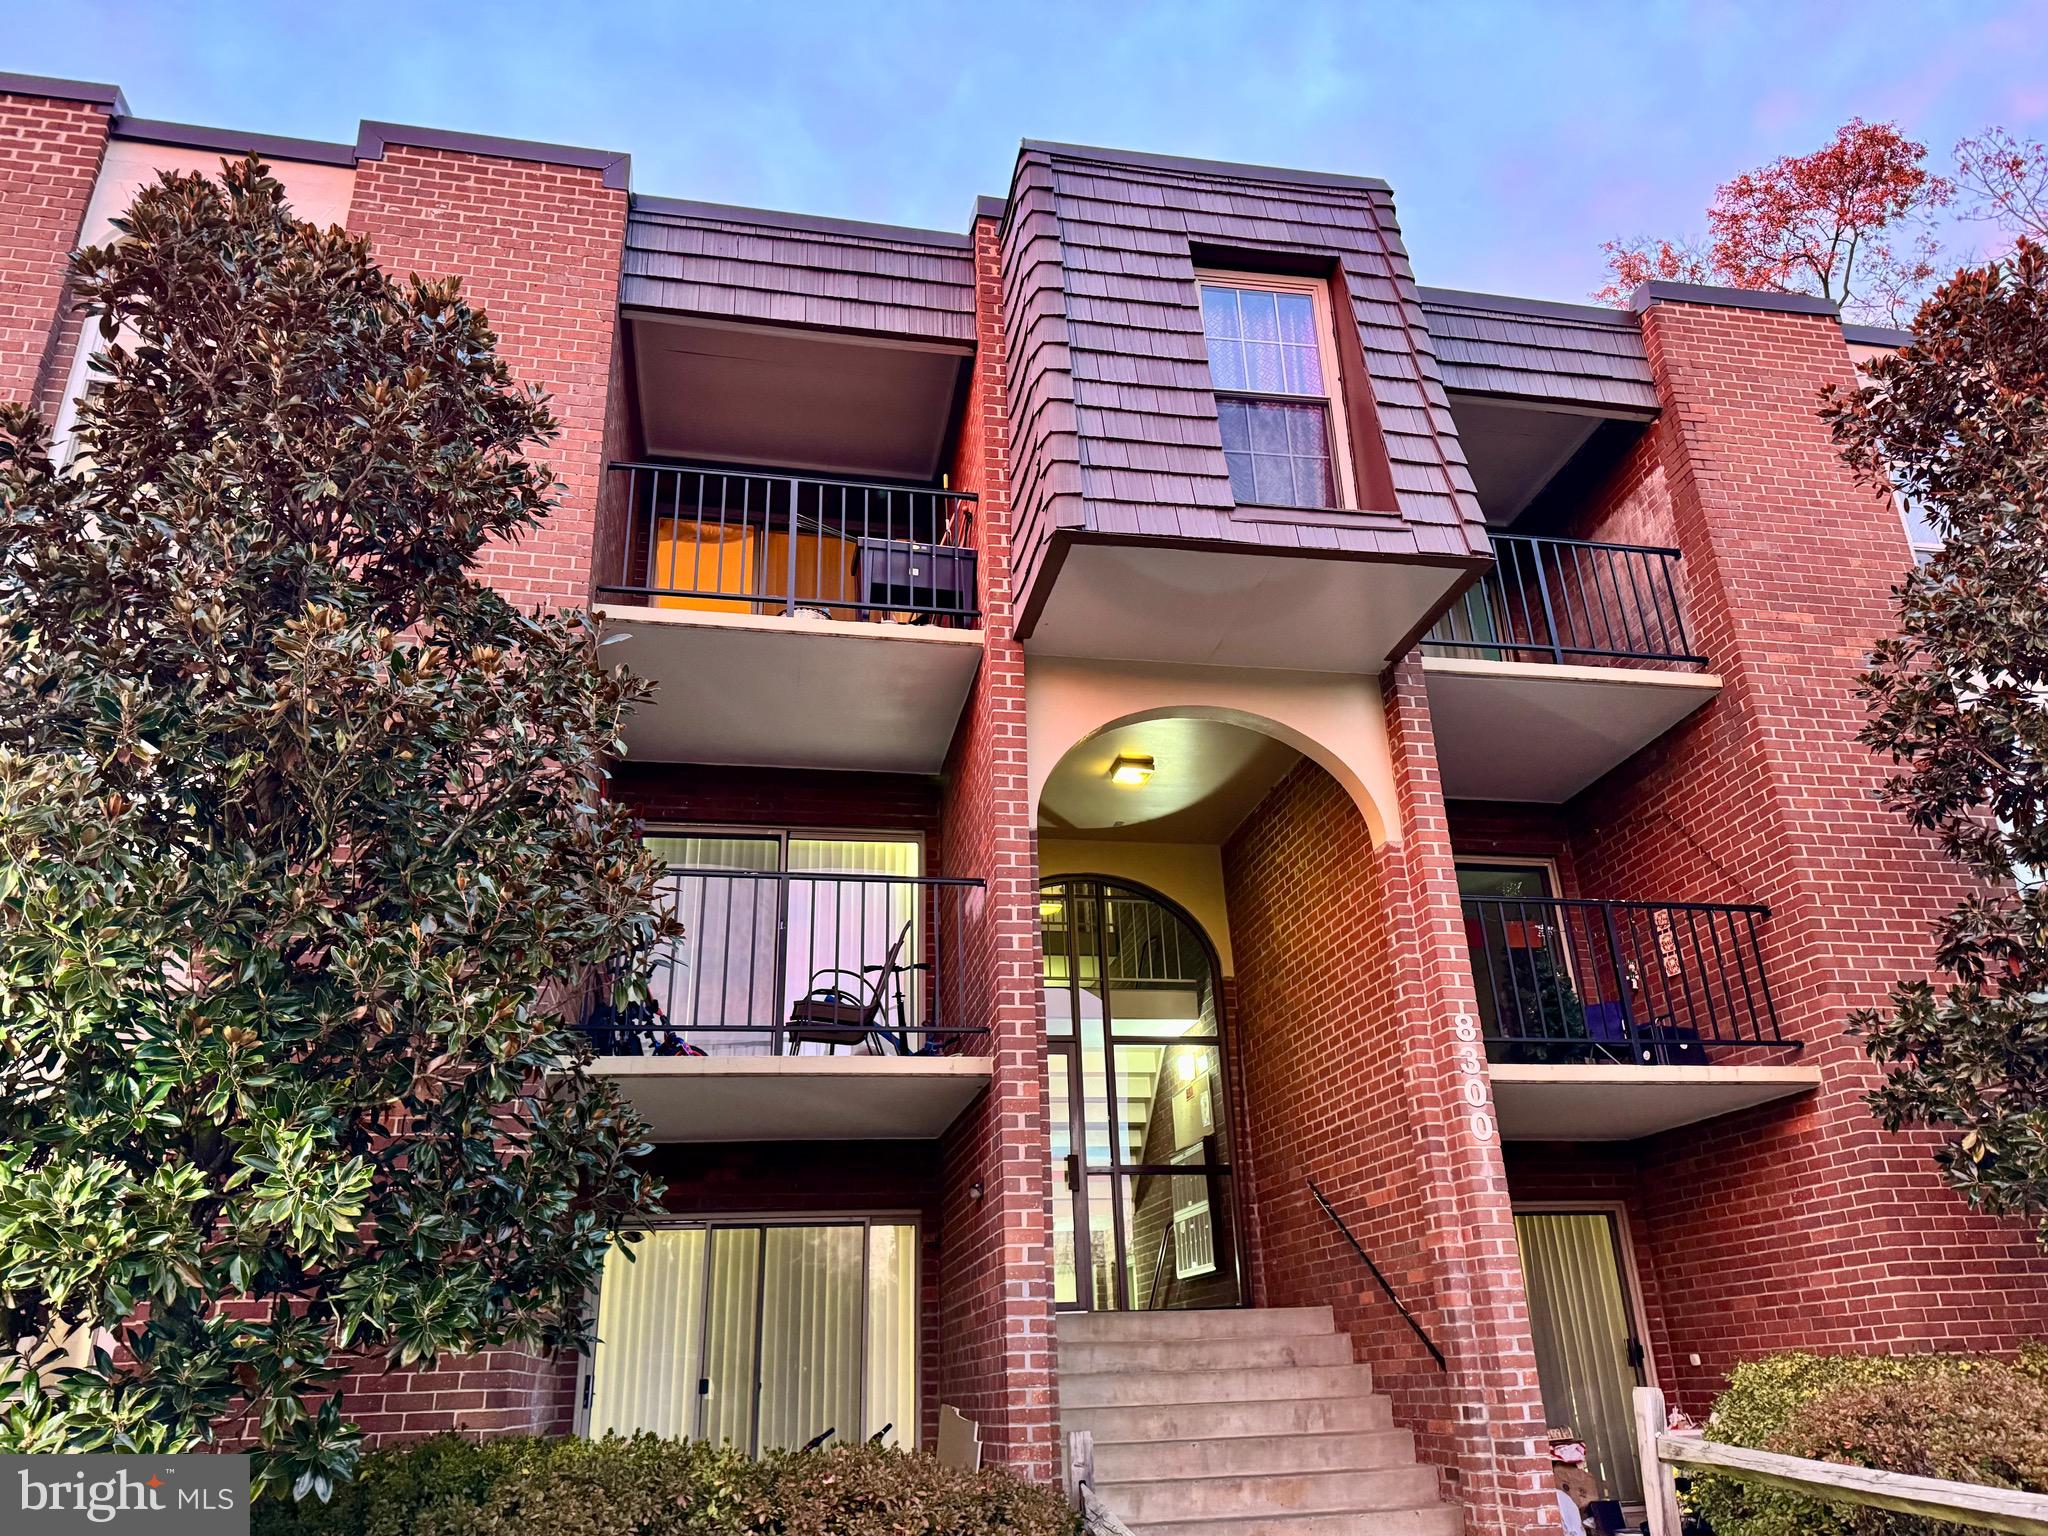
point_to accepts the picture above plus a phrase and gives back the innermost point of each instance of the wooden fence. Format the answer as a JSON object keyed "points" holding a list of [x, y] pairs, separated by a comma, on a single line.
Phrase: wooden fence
{"points": [[1664, 1453]]}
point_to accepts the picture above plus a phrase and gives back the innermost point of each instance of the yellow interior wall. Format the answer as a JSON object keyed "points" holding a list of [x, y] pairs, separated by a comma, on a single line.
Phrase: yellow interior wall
{"points": [[1189, 873], [741, 559]]}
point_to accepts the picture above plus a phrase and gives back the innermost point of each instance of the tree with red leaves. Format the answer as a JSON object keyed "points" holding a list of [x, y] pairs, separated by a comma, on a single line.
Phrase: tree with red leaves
{"points": [[1846, 223], [2005, 181]]}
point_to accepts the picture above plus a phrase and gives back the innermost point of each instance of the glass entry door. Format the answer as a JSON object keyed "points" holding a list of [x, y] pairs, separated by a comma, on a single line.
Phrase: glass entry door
{"points": [[1140, 1145], [761, 1336]]}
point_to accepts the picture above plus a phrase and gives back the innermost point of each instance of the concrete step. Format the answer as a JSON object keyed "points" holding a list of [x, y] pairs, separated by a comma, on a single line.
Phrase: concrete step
{"points": [[1221, 1323], [1242, 1384], [1270, 1493], [1148, 1423], [1205, 1354], [1432, 1520], [1123, 1461]]}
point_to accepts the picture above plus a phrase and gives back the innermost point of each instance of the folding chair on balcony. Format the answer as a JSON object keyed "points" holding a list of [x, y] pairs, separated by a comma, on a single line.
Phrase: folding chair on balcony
{"points": [[836, 1014]]}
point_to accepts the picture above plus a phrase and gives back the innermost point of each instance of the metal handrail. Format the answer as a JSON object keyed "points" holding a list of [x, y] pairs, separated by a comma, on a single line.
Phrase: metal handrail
{"points": [[706, 536], [1651, 982], [1356, 1247], [1570, 600], [772, 959], [1158, 1263]]}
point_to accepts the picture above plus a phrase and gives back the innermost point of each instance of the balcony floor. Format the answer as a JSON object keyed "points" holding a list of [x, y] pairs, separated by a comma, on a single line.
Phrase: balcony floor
{"points": [[793, 692], [797, 1098], [1534, 731], [1622, 1103]]}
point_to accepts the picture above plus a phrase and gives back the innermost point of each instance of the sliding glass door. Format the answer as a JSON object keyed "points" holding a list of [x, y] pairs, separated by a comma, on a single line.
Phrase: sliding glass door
{"points": [[765, 1336], [770, 918]]}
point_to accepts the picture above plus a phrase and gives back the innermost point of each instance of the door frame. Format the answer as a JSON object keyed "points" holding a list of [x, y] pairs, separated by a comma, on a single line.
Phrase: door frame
{"points": [[1115, 1170], [1624, 1241], [586, 1362]]}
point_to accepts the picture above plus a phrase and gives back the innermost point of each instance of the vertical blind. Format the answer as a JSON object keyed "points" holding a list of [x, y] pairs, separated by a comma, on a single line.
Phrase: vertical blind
{"points": [[761, 1336], [641, 1314], [1579, 1320]]}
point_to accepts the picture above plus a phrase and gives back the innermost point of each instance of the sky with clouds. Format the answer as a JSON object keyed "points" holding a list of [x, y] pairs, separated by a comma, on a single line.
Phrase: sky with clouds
{"points": [[1517, 135]]}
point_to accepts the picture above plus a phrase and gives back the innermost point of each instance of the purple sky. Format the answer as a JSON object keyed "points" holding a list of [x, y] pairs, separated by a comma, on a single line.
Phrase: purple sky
{"points": [[1517, 137]]}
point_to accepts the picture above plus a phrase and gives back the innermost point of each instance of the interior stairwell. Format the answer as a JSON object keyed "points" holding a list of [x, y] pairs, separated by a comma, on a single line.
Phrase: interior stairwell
{"points": [[1252, 1422]]}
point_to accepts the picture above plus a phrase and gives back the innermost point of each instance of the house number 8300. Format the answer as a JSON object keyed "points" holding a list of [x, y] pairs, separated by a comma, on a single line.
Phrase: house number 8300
{"points": [[1472, 1070]]}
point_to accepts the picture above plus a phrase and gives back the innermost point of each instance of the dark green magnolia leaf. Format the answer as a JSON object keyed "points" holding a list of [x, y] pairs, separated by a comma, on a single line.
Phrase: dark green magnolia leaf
{"points": [[303, 840]]}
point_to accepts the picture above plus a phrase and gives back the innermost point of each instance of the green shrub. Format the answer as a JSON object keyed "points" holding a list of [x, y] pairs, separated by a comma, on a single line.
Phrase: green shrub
{"points": [[650, 1487], [1966, 1418]]}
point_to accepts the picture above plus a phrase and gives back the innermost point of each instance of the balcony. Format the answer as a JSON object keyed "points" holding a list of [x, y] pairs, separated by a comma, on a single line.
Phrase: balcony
{"points": [[803, 1007], [791, 620], [1610, 1020], [1559, 664]]}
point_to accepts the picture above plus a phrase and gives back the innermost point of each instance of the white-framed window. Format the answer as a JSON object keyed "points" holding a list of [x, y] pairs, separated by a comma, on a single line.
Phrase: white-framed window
{"points": [[759, 1333], [1921, 533], [1279, 393]]}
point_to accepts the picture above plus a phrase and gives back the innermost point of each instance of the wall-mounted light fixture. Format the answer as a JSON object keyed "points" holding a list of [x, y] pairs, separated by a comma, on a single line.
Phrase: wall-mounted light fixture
{"points": [[1130, 772]]}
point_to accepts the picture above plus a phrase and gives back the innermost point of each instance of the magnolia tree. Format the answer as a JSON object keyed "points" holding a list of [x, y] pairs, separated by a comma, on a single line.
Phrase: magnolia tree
{"points": [[1959, 704], [303, 852]]}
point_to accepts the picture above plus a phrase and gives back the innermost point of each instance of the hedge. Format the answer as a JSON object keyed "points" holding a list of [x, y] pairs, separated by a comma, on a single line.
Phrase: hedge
{"points": [[1962, 1417], [651, 1487]]}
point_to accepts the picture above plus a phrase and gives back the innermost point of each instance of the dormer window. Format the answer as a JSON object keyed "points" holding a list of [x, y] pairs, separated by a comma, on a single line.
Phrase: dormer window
{"points": [[1273, 364]]}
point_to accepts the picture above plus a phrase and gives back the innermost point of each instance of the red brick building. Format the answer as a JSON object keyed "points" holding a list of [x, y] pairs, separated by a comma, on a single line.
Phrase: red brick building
{"points": [[1274, 859]]}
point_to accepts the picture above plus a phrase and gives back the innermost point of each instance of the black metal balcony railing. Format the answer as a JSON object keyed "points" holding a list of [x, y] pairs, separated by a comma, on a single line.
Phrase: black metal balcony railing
{"points": [[1655, 983], [1566, 600], [744, 542], [789, 963]]}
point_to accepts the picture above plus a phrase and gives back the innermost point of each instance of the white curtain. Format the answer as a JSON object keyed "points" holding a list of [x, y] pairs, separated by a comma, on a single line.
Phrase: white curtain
{"points": [[837, 928], [810, 1336], [722, 971], [1579, 1319], [892, 1333], [731, 1336], [793, 1329], [649, 1331]]}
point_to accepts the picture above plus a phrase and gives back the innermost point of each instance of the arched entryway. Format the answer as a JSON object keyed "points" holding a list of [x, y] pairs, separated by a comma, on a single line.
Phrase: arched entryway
{"points": [[1140, 1140]]}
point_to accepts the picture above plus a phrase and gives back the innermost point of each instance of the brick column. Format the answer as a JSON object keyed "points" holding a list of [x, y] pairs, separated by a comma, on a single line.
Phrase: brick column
{"points": [[996, 1331], [1351, 975], [1801, 1224], [538, 243], [53, 134]]}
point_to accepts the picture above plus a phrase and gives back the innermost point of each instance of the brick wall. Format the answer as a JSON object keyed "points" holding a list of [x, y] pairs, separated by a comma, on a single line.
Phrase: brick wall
{"points": [[499, 1392], [49, 158], [694, 793], [539, 247], [1350, 971], [997, 1338], [1803, 1223]]}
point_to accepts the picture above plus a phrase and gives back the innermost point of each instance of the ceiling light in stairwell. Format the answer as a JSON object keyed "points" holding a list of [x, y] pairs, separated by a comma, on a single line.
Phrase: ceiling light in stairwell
{"points": [[1130, 772]]}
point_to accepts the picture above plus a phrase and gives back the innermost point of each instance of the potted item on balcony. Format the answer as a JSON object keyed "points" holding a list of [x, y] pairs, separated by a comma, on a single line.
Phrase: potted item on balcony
{"points": [[1545, 1021]]}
